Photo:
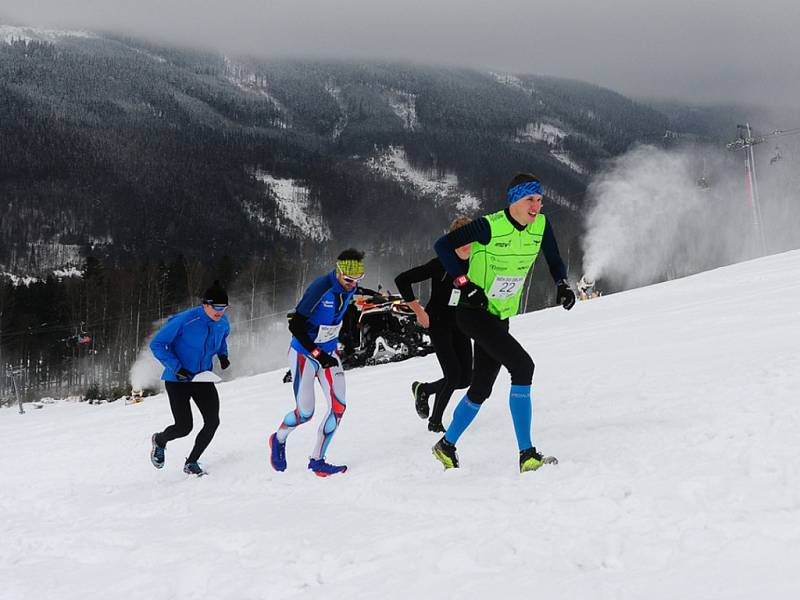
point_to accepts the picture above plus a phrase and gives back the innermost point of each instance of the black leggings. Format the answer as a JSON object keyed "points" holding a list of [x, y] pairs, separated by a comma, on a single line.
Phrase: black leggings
{"points": [[454, 351], [494, 347], [207, 400]]}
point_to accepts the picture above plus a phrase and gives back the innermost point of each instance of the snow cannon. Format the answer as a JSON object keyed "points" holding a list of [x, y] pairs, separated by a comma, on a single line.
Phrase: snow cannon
{"points": [[586, 288]]}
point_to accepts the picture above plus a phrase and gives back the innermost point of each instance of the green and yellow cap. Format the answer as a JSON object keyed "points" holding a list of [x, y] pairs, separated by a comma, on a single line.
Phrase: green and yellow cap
{"points": [[351, 267]]}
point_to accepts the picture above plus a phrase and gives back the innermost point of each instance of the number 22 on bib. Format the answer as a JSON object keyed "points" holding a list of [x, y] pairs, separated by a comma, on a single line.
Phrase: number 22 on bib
{"points": [[505, 286]]}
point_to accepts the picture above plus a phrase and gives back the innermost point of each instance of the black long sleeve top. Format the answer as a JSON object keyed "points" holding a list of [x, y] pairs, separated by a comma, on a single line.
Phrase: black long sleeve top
{"points": [[480, 231], [438, 308]]}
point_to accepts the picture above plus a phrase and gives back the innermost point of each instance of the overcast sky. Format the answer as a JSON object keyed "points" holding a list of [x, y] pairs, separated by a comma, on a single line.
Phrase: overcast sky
{"points": [[692, 50]]}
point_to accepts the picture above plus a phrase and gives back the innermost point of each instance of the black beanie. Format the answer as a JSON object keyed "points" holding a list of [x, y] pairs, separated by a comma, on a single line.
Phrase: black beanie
{"points": [[216, 294]]}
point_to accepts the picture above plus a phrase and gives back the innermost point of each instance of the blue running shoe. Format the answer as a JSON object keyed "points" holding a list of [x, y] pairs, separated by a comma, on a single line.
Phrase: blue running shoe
{"points": [[277, 457], [193, 469], [157, 453], [323, 469]]}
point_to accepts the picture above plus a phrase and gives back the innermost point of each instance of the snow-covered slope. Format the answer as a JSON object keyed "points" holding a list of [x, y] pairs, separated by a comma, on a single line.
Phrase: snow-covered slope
{"points": [[673, 410], [297, 216], [13, 33], [394, 164]]}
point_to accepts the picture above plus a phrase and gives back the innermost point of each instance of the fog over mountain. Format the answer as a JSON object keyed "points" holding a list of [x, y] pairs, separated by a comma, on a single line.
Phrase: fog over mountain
{"points": [[724, 52]]}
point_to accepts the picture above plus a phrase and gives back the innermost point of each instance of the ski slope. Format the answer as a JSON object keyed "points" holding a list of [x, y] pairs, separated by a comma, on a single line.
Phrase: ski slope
{"points": [[673, 410]]}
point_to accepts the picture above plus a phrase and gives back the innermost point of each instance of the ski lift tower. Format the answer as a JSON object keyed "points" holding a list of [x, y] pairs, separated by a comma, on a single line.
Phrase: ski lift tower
{"points": [[745, 142]]}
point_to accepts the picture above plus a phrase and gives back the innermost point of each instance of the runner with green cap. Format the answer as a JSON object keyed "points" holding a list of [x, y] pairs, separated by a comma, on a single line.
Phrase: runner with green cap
{"points": [[315, 325], [505, 245]]}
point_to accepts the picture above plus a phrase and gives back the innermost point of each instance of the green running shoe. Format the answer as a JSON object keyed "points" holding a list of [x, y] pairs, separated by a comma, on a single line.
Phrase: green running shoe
{"points": [[445, 453], [531, 459]]}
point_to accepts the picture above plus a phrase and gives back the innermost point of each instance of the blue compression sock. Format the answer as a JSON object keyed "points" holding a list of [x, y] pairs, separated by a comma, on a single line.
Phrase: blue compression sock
{"points": [[463, 415], [520, 403]]}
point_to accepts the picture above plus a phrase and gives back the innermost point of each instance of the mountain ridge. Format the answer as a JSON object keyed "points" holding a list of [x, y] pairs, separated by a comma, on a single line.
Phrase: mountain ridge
{"points": [[113, 129]]}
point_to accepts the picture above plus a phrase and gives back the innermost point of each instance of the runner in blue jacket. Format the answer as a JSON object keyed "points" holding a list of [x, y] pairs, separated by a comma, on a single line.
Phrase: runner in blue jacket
{"points": [[315, 326], [186, 346]]}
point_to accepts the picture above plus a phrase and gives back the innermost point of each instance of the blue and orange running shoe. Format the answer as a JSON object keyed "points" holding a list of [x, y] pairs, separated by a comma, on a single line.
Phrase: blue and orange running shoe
{"points": [[323, 469]]}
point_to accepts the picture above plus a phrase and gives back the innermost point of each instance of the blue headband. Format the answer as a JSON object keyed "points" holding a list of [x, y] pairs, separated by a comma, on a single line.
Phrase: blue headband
{"points": [[524, 189]]}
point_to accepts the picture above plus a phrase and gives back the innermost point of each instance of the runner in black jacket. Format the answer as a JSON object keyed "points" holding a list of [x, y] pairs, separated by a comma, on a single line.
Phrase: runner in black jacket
{"points": [[453, 348]]}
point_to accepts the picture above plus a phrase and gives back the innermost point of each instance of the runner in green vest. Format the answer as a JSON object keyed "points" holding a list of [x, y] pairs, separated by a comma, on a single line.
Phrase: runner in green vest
{"points": [[504, 247]]}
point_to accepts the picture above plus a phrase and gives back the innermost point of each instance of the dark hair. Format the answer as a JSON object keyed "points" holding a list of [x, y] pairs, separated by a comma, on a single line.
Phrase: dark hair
{"points": [[351, 254], [521, 178]]}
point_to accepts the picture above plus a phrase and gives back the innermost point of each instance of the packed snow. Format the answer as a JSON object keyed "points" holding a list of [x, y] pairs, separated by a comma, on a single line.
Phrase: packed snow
{"points": [[672, 409], [394, 164]]}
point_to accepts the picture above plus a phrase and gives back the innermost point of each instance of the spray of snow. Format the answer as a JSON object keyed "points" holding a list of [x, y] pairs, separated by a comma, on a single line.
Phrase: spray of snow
{"points": [[443, 188], [146, 371], [650, 220], [258, 340]]}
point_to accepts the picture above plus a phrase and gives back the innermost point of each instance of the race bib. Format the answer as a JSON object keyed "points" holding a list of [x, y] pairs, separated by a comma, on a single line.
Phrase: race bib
{"points": [[504, 286], [326, 333], [455, 296]]}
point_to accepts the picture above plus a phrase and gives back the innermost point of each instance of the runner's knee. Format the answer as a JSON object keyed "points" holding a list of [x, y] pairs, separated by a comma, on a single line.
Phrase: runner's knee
{"points": [[522, 371], [478, 393], [183, 429]]}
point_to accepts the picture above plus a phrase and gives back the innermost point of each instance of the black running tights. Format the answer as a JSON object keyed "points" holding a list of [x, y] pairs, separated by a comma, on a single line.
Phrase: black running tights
{"points": [[454, 351], [207, 400], [494, 347]]}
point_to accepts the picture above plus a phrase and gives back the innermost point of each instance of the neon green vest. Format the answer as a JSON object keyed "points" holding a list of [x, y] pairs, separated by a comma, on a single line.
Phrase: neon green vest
{"points": [[500, 267]]}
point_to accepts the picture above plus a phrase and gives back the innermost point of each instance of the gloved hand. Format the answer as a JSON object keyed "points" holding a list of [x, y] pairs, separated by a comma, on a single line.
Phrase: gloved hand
{"points": [[325, 360], [565, 296], [224, 363], [471, 295], [184, 375]]}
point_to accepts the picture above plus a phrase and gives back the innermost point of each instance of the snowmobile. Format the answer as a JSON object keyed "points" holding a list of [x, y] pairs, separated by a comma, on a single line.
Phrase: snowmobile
{"points": [[378, 328]]}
